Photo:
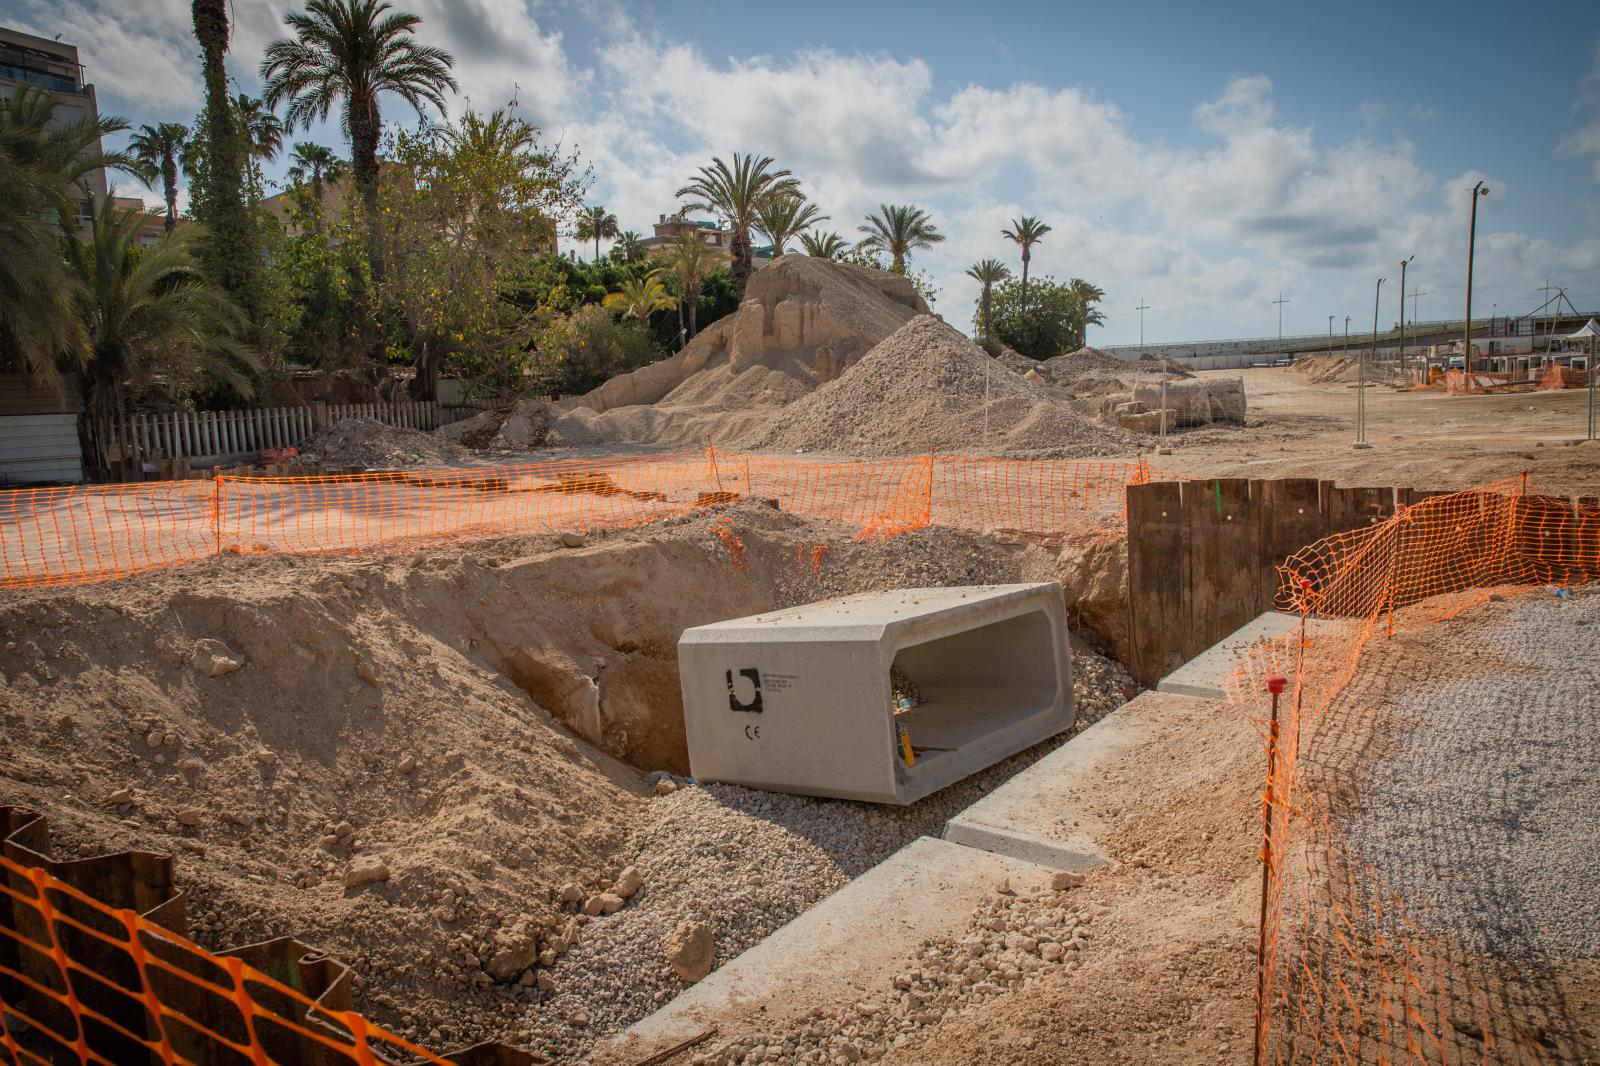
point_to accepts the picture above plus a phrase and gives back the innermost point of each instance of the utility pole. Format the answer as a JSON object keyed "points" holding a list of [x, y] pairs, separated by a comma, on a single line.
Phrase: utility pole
{"points": [[1361, 373], [1480, 189], [1142, 308], [1347, 335], [1280, 301], [1402, 361], [1415, 318], [1330, 334]]}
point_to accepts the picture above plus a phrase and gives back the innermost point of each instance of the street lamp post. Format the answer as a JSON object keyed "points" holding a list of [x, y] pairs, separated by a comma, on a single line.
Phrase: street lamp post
{"points": [[1402, 361], [1361, 373], [1480, 189], [1347, 336], [1330, 334]]}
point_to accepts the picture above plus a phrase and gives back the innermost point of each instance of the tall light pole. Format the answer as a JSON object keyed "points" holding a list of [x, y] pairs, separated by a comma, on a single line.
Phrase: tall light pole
{"points": [[1361, 373], [1280, 301], [1403, 264], [1347, 335], [1142, 308], [1480, 189], [1330, 334]]}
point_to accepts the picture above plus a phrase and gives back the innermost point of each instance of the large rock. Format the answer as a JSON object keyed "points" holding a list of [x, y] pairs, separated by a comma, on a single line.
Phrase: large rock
{"points": [[1198, 401], [691, 950], [514, 950]]}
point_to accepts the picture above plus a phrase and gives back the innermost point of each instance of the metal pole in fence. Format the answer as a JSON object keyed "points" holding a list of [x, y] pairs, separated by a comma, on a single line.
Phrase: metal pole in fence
{"points": [[1591, 390], [1275, 685], [1361, 372], [1472, 240]]}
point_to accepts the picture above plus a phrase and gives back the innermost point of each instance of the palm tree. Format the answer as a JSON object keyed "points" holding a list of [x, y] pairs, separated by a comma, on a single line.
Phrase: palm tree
{"points": [[988, 273], [496, 135], [689, 258], [899, 229], [159, 148], [43, 167], [597, 224], [1084, 296], [629, 247], [783, 216], [736, 193], [640, 297], [153, 318], [824, 245], [1026, 231], [263, 133], [219, 199], [313, 164], [350, 51]]}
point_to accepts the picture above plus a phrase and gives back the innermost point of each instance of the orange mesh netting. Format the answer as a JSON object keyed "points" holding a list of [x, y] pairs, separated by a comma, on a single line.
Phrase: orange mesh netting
{"points": [[83, 982], [1347, 974], [94, 533]]}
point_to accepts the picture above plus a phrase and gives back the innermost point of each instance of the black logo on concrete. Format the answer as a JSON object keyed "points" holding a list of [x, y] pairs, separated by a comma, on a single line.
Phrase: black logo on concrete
{"points": [[753, 705]]}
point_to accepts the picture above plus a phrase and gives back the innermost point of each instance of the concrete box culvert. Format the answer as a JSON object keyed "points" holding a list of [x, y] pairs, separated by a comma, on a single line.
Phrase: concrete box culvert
{"points": [[802, 700]]}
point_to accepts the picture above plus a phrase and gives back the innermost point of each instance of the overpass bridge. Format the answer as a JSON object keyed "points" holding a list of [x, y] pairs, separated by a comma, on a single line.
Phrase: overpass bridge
{"points": [[1493, 334]]}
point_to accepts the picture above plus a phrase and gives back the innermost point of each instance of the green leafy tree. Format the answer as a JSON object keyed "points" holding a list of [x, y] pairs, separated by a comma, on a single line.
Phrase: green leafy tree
{"points": [[596, 224], [1053, 323], [349, 53], [159, 147], [231, 251], [44, 166], [898, 230], [1025, 232], [987, 273], [736, 193], [689, 259], [921, 281], [782, 217], [641, 297], [465, 221], [154, 323], [824, 245]]}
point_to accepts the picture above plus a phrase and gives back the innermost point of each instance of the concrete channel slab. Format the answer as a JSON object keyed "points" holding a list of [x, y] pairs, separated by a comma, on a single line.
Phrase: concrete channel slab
{"points": [[1045, 814], [851, 944], [1206, 673]]}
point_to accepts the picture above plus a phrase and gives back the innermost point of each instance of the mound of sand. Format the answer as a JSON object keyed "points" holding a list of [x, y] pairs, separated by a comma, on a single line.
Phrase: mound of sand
{"points": [[522, 426], [803, 321], [1326, 368], [929, 388], [1073, 364], [368, 443]]}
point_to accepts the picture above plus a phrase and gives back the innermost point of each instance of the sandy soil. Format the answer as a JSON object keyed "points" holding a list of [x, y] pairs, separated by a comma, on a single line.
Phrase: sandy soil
{"points": [[1422, 439]]}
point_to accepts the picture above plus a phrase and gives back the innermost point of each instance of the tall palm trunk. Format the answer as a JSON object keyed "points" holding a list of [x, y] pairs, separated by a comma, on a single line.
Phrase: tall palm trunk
{"points": [[230, 250], [741, 267], [694, 309], [365, 129], [988, 331], [1025, 258], [169, 186]]}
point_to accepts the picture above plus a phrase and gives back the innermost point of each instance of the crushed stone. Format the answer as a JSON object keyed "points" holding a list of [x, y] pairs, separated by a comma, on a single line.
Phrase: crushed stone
{"points": [[368, 443]]}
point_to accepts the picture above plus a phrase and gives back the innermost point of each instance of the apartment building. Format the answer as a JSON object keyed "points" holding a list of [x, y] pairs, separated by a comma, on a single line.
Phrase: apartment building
{"points": [[54, 67]]}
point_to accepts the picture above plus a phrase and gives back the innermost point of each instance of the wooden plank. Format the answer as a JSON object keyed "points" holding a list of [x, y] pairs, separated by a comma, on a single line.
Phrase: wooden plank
{"points": [[1222, 548], [1155, 578]]}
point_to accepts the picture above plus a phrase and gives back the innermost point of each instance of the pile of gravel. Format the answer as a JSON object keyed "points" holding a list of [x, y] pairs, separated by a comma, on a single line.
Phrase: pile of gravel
{"points": [[928, 388], [1483, 818], [747, 862], [1066, 367], [1013, 940], [369, 444]]}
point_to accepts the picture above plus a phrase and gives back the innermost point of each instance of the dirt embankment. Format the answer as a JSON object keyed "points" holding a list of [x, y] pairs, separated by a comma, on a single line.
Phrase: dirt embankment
{"points": [[269, 720]]}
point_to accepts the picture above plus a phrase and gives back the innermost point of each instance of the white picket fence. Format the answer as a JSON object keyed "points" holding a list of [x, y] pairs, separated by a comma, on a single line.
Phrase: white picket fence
{"points": [[208, 437]]}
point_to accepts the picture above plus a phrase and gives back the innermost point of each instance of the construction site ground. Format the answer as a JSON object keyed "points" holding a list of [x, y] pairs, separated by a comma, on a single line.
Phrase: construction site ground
{"points": [[271, 719]]}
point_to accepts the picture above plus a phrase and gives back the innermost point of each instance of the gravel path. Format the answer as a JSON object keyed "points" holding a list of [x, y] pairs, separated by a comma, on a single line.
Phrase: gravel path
{"points": [[1484, 818]]}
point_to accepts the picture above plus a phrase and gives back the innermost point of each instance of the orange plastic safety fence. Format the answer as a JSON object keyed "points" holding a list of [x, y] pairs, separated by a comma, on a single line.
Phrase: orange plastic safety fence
{"points": [[84, 534], [151, 995], [1346, 975]]}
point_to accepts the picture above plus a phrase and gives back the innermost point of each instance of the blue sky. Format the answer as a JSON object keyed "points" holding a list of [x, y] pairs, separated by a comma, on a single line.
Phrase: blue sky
{"points": [[1202, 157]]}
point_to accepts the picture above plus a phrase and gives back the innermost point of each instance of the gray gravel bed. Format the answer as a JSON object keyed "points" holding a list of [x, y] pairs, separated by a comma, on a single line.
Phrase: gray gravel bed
{"points": [[1486, 818], [747, 862]]}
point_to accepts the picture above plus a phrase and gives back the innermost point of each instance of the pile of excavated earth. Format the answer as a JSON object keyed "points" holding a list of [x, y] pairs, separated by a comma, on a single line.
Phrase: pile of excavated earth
{"points": [[459, 770], [820, 357]]}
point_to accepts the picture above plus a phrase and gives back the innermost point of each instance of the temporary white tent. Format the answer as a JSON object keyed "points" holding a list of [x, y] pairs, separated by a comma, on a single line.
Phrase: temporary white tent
{"points": [[1590, 329]]}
